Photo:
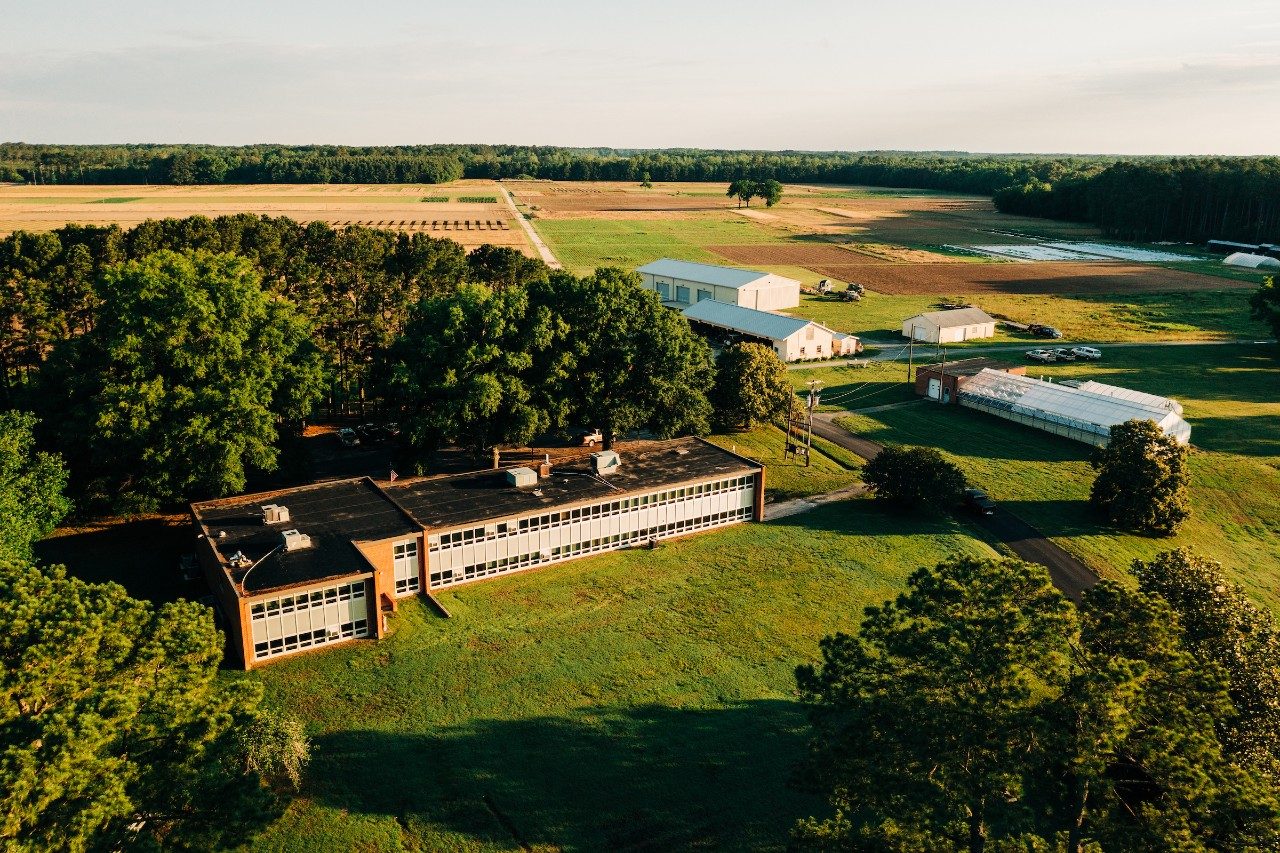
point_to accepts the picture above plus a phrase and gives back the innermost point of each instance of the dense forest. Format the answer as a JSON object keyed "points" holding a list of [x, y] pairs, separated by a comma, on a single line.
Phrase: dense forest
{"points": [[1136, 198]]}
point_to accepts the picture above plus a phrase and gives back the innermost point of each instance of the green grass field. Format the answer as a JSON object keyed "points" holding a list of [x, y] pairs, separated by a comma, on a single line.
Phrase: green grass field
{"points": [[584, 244], [1229, 396], [638, 700], [1204, 315], [830, 468]]}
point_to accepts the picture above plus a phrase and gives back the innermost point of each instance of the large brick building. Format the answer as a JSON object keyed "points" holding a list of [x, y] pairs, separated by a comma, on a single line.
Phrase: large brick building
{"points": [[317, 565]]}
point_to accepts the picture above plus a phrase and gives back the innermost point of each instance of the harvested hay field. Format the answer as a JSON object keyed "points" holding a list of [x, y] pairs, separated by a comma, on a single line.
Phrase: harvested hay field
{"points": [[1026, 279], [408, 207], [811, 255]]}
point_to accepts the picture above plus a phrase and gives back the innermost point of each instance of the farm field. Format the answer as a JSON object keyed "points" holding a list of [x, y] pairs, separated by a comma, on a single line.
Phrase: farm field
{"points": [[638, 700], [472, 214], [1228, 393]]}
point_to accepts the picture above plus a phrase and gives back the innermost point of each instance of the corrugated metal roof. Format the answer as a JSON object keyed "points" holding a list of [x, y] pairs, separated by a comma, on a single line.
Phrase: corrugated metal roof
{"points": [[1086, 410], [704, 273], [956, 317], [762, 324]]}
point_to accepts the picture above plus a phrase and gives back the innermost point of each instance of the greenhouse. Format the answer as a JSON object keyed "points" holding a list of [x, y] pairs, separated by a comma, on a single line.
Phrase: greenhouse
{"points": [[1084, 412]]}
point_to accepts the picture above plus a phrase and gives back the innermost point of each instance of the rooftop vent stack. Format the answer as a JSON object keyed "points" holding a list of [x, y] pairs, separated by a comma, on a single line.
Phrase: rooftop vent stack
{"points": [[544, 469], [295, 540], [605, 462], [275, 514], [522, 477]]}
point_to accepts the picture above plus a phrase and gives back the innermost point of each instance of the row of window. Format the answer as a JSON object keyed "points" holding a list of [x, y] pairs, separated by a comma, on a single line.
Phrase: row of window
{"points": [[307, 639], [606, 543], [405, 558], [602, 510], [305, 601]]}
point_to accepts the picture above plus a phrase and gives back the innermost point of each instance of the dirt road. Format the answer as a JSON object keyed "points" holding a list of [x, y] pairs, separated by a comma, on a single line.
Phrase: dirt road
{"points": [[543, 249]]}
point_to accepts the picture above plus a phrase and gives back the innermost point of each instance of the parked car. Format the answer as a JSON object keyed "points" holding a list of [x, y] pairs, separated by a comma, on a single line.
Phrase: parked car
{"points": [[347, 437], [1041, 355], [389, 431], [979, 501], [1064, 355], [367, 433], [590, 438], [1042, 331], [1086, 353]]}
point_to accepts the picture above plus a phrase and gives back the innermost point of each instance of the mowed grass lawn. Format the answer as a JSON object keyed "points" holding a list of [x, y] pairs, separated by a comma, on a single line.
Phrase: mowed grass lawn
{"points": [[1229, 394], [829, 469], [640, 700], [584, 244]]}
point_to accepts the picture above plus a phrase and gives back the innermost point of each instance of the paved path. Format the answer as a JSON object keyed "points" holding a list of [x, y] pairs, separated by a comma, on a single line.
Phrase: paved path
{"points": [[1069, 574], [897, 350], [543, 249]]}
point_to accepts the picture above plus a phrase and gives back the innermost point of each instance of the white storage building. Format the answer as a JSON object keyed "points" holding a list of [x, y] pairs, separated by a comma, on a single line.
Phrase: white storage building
{"points": [[1084, 412], [948, 327], [682, 283], [792, 338]]}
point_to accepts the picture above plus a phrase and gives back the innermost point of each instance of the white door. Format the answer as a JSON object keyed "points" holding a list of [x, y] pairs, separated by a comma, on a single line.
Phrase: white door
{"points": [[935, 389]]}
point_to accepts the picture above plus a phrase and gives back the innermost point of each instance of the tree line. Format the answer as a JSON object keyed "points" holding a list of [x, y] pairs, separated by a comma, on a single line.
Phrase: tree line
{"points": [[1183, 199], [183, 357]]}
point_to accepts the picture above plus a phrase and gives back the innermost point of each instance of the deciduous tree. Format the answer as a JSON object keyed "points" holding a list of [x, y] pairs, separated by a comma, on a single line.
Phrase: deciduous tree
{"points": [[769, 190], [1142, 479], [751, 386], [31, 488], [503, 266], [909, 477], [627, 363], [181, 387], [463, 372], [1266, 304]]}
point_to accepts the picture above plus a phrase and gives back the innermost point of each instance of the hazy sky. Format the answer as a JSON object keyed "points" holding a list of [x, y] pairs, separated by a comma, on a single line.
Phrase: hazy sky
{"points": [[1173, 76]]}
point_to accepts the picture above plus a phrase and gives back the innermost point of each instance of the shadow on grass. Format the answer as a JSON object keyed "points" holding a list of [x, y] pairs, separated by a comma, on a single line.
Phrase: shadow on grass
{"points": [[141, 555], [967, 433], [644, 778]]}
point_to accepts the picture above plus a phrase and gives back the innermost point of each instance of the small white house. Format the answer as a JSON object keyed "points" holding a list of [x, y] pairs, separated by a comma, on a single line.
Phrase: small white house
{"points": [[792, 338], [682, 283], [948, 327]]}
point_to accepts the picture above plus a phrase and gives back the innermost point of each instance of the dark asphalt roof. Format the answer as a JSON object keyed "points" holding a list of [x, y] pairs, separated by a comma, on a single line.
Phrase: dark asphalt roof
{"points": [[332, 514], [967, 366], [444, 502]]}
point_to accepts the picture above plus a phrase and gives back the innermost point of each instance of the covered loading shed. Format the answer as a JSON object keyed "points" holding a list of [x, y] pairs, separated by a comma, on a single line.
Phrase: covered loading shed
{"points": [[792, 338], [947, 327], [1073, 411], [1251, 261], [943, 381], [682, 283]]}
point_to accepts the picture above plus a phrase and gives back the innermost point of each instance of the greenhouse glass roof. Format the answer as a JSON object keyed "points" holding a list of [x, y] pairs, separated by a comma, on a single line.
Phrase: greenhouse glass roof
{"points": [[1084, 409]]}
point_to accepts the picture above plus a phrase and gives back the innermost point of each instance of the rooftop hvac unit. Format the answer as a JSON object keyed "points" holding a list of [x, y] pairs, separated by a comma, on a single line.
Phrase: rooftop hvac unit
{"points": [[522, 477], [605, 462], [295, 540], [275, 514]]}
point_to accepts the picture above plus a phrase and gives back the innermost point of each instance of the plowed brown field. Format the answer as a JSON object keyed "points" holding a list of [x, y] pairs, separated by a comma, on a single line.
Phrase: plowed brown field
{"points": [[799, 255], [1029, 278]]}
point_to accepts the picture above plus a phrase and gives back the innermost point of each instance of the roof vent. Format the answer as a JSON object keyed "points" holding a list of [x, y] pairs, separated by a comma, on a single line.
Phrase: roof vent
{"points": [[295, 540], [522, 477], [275, 514], [605, 462]]}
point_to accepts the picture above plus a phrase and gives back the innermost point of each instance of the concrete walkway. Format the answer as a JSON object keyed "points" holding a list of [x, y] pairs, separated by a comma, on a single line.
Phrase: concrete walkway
{"points": [[543, 249], [1069, 574]]}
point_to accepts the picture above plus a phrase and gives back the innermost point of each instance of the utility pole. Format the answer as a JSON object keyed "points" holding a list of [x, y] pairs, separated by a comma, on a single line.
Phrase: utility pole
{"points": [[815, 387], [911, 353]]}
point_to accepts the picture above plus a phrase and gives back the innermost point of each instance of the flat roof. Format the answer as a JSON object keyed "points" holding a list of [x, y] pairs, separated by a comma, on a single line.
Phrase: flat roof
{"points": [[461, 499], [705, 273], [750, 321], [332, 514], [968, 366]]}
